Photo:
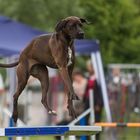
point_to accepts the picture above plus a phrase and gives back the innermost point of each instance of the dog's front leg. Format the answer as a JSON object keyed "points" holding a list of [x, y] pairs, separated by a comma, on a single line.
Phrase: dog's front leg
{"points": [[67, 81], [70, 91]]}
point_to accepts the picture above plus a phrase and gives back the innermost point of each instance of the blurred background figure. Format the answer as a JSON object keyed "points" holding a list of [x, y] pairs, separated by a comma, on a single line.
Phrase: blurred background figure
{"points": [[93, 85], [98, 100], [114, 86], [80, 85]]}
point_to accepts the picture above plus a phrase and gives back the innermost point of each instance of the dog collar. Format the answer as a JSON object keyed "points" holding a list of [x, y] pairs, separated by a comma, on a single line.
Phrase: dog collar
{"points": [[69, 56]]}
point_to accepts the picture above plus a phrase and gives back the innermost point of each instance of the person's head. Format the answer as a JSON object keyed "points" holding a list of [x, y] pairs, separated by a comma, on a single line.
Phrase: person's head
{"points": [[78, 76], [90, 67]]}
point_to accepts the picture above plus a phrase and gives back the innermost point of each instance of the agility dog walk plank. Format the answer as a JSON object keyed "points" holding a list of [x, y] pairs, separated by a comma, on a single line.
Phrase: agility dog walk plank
{"points": [[50, 130]]}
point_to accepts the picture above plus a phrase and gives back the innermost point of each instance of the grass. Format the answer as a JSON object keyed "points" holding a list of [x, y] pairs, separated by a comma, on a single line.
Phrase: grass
{"points": [[3, 138], [33, 138], [123, 133], [42, 138]]}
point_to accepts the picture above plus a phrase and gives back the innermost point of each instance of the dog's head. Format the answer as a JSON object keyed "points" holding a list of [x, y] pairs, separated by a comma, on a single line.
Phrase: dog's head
{"points": [[72, 27]]}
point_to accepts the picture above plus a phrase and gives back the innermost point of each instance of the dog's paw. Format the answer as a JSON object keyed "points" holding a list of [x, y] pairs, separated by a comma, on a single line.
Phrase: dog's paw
{"points": [[75, 97], [72, 112], [14, 118], [52, 112]]}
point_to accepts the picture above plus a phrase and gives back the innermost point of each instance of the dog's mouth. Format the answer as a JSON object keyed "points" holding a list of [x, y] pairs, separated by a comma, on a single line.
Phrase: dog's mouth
{"points": [[80, 36]]}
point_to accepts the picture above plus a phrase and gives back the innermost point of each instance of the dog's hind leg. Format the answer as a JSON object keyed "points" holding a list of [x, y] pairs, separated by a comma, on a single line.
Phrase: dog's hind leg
{"points": [[22, 76], [41, 73]]}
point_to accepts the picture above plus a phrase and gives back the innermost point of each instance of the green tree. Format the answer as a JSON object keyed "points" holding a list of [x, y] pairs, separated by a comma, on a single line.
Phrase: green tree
{"points": [[117, 26], [39, 13], [116, 22]]}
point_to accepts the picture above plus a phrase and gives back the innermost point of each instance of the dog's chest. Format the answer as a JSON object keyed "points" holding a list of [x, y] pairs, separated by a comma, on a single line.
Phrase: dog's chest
{"points": [[69, 56]]}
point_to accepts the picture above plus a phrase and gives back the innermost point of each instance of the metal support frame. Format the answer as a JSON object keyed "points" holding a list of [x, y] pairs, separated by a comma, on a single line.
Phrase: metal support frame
{"points": [[97, 62]]}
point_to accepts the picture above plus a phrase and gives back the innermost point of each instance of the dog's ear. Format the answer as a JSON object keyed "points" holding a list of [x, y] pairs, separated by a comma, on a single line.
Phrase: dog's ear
{"points": [[60, 25], [84, 21]]}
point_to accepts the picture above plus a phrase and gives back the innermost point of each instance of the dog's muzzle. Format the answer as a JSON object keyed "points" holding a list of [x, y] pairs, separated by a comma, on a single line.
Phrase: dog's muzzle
{"points": [[80, 35]]}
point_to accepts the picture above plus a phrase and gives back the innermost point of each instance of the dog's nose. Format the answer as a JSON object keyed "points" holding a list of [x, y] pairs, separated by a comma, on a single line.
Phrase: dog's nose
{"points": [[81, 33]]}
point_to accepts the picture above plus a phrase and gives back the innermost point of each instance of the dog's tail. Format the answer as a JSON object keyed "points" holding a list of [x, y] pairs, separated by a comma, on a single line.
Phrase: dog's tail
{"points": [[9, 65]]}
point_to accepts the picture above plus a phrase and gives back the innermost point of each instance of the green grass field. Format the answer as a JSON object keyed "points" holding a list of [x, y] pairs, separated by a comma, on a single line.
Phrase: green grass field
{"points": [[42, 138], [34, 138]]}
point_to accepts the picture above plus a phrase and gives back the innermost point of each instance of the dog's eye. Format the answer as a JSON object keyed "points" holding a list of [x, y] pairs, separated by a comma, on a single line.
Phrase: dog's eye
{"points": [[80, 25], [72, 26]]}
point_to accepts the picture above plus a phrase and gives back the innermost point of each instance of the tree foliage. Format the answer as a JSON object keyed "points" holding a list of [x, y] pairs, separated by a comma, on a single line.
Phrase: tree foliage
{"points": [[42, 14], [117, 26], [116, 22]]}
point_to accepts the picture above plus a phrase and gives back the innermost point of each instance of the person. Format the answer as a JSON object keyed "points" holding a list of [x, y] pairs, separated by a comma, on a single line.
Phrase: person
{"points": [[79, 85], [98, 100], [82, 86]]}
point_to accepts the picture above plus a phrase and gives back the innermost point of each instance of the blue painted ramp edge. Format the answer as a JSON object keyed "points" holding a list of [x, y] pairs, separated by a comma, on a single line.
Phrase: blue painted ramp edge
{"points": [[35, 131]]}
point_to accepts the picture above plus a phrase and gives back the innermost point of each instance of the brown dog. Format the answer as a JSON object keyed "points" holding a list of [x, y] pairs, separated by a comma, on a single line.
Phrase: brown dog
{"points": [[55, 50]]}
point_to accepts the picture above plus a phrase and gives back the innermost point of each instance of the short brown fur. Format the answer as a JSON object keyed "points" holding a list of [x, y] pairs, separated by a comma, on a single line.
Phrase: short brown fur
{"points": [[49, 50]]}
